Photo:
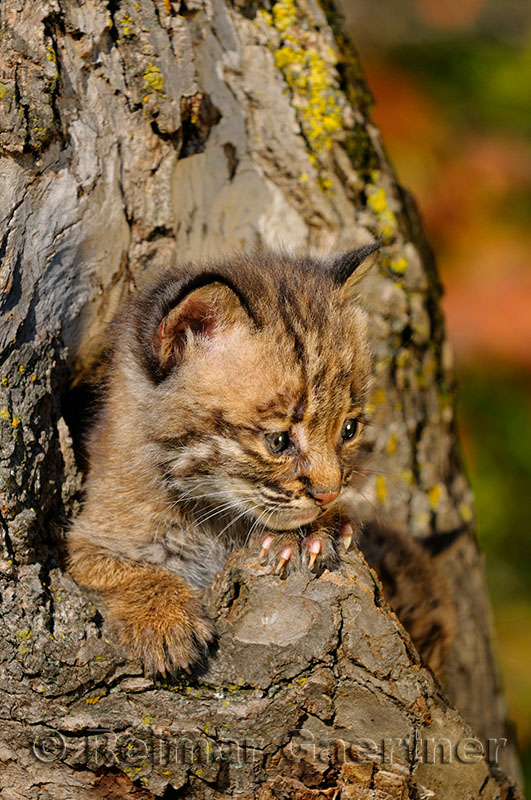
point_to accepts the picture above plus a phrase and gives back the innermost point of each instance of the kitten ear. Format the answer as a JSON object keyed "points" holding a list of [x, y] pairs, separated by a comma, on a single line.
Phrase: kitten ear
{"points": [[205, 312], [349, 268]]}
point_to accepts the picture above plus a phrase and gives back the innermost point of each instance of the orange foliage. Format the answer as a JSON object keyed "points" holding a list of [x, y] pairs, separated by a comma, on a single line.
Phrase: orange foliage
{"points": [[466, 183], [451, 13]]}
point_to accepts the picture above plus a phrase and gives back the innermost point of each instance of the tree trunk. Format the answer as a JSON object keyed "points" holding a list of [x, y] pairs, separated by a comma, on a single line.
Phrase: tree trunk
{"points": [[133, 134]]}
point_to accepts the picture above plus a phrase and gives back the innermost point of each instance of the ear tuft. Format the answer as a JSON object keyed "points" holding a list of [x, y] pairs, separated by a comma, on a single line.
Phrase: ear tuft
{"points": [[349, 268]]}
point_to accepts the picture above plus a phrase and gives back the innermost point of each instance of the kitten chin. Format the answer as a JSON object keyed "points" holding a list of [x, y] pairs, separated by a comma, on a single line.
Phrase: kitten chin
{"points": [[232, 410], [291, 521]]}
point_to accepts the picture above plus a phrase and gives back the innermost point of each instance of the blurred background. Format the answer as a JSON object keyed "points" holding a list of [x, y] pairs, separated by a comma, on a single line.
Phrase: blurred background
{"points": [[452, 87]]}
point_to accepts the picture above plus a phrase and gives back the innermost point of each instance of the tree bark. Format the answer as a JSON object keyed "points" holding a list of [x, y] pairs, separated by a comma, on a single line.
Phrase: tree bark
{"points": [[133, 134]]}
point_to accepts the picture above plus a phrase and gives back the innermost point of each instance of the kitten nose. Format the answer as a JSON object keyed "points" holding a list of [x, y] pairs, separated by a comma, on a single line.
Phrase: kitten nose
{"points": [[323, 498]]}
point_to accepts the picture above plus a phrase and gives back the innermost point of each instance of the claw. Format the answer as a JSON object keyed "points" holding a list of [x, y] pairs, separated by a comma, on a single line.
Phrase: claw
{"points": [[266, 544], [285, 556], [163, 673], [315, 548], [347, 532]]}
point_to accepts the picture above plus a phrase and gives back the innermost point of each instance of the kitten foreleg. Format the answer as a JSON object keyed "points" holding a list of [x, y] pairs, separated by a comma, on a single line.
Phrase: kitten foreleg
{"points": [[157, 614]]}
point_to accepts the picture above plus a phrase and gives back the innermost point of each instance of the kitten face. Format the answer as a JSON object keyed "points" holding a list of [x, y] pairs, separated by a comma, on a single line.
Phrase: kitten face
{"points": [[262, 421]]}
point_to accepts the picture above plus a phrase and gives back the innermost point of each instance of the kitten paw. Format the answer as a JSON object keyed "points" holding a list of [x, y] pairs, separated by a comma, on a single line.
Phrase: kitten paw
{"points": [[164, 625], [316, 550]]}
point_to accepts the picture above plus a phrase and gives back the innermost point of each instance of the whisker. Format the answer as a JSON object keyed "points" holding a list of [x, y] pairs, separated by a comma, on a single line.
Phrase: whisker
{"points": [[369, 471], [367, 500], [189, 494], [246, 511], [216, 512], [254, 525]]}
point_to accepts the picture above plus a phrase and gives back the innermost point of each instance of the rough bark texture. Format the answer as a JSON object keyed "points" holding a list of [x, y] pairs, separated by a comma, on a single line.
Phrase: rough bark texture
{"points": [[132, 134]]}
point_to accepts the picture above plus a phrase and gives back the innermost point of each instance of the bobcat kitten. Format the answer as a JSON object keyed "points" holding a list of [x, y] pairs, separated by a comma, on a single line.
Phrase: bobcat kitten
{"points": [[233, 406]]}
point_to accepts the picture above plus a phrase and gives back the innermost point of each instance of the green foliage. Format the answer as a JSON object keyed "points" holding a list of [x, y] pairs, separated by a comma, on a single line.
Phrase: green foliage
{"points": [[496, 415], [482, 82], [495, 410]]}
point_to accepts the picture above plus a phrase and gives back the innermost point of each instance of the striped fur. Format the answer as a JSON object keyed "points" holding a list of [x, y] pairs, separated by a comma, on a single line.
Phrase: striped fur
{"points": [[202, 365]]}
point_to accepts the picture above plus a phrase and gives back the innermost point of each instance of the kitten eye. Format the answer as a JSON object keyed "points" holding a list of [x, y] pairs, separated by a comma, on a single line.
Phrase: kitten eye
{"points": [[278, 442], [349, 429]]}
